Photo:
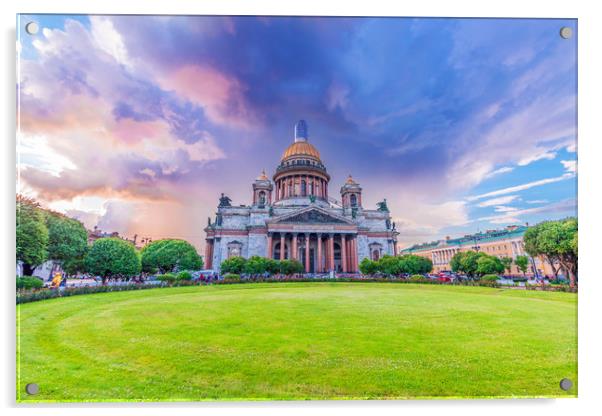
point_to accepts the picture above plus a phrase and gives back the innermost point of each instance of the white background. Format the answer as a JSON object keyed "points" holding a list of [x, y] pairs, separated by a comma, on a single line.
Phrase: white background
{"points": [[590, 195]]}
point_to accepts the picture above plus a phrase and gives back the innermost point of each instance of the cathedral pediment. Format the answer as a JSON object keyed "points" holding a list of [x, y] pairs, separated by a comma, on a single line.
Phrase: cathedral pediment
{"points": [[311, 216]]}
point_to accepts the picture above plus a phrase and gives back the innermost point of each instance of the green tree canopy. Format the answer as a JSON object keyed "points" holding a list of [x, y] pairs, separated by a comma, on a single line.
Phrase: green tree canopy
{"points": [[522, 262], [487, 264], [234, 265], [413, 264], [389, 265], [474, 263], [67, 241], [367, 266], [256, 265], [289, 267], [557, 241], [112, 258], [32, 233], [507, 262], [168, 254]]}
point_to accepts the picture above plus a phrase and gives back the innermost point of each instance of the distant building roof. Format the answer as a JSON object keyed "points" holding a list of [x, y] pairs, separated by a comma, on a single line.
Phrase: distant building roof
{"points": [[512, 231]]}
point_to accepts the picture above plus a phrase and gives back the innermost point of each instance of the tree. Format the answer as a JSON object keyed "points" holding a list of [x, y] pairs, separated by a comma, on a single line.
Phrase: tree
{"points": [[534, 247], [522, 262], [289, 267], [111, 258], [368, 267], [507, 262], [272, 266], [234, 265], [389, 265], [413, 264], [256, 265], [466, 262], [487, 264], [556, 240], [67, 241], [31, 233], [170, 255], [473, 263]]}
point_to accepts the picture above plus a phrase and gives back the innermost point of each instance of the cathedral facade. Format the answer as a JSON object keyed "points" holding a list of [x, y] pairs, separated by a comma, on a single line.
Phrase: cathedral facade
{"points": [[293, 216]]}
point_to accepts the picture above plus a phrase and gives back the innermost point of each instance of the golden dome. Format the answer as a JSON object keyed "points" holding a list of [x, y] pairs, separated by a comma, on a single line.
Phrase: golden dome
{"points": [[350, 181], [301, 148]]}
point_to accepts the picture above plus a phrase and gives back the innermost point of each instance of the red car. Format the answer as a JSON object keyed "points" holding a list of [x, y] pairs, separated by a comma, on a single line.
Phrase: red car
{"points": [[443, 278]]}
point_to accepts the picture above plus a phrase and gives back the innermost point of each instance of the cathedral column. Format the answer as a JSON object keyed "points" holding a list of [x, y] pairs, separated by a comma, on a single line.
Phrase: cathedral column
{"points": [[331, 251], [270, 245], [294, 249], [319, 268], [208, 254], [281, 246], [354, 253], [344, 253], [306, 252]]}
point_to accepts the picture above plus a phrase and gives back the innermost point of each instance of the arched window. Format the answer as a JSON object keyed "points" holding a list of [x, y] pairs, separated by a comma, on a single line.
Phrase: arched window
{"points": [[375, 255], [261, 198], [311, 188], [303, 188], [353, 200]]}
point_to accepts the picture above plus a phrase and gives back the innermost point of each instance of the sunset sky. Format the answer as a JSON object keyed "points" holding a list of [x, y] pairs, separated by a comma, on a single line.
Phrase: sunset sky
{"points": [[137, 124]]}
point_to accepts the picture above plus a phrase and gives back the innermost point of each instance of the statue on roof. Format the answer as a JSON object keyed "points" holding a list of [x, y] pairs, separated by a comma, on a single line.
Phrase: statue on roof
{"points": [[224, 201], [382, 206]]}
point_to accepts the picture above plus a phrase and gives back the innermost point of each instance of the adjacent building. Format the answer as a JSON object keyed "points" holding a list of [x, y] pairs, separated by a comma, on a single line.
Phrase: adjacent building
{"points": [[507, 242], [293, 216]]}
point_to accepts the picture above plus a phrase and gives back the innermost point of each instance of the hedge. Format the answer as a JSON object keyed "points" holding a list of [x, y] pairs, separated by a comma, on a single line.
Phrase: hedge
{"points": [[32, 296], [29, 282]]}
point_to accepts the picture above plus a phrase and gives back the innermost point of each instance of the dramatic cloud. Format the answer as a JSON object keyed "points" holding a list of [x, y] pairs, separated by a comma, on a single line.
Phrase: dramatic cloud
{"points": [[522, 187], [498, 201], [155, 116]]}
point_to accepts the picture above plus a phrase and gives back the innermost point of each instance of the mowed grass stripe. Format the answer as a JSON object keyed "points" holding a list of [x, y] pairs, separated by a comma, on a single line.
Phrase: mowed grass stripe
{"points": [[299, 341]]}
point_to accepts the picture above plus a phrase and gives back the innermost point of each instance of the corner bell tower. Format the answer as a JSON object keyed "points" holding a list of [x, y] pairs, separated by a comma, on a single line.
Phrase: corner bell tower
{"points": [[262, 191], [351, 194]]}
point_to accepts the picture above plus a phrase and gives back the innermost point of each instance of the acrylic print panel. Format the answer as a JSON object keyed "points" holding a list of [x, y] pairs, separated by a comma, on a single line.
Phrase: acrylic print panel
{"points": [[291, 208]]}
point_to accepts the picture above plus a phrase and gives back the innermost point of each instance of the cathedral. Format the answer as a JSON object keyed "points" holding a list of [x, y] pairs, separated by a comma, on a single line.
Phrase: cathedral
{"points": [[293, 216]]}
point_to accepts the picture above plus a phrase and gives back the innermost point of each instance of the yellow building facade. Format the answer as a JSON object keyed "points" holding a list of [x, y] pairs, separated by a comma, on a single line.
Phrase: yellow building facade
{"points": [[507, 242]]}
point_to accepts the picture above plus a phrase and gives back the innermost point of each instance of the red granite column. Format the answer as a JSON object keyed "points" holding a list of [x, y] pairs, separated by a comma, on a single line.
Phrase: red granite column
{"points": [[306, 252], [270, 246], [209, 254], [344, 253], [206, 254], [331, 252], [354, 254], [294, 249], [319, 268], [281, 246]]}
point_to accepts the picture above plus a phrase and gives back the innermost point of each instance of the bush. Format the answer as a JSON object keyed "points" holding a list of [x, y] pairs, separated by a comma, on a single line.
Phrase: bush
{"points": [[490, 278], [368, 267], [234, 265], [185, 275], [232, 277], [167, 277], [417, 278], [28, 283]]}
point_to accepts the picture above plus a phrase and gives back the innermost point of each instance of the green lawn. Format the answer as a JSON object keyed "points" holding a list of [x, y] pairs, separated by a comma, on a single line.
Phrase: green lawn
{"points": [[298, 341]]}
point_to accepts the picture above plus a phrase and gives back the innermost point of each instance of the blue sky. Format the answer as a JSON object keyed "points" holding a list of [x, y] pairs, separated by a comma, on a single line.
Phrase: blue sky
{"points": [[462, 124]]}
